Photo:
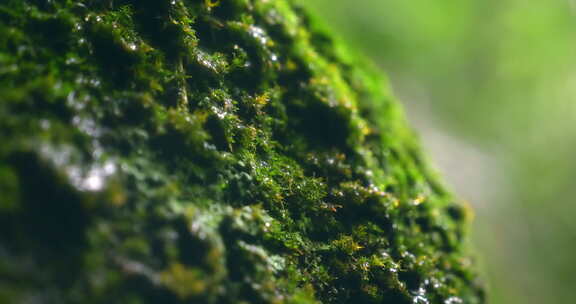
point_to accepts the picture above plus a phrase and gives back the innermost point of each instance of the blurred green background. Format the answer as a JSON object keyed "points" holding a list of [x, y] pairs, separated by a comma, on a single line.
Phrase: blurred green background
{"points": [[490, 85]]}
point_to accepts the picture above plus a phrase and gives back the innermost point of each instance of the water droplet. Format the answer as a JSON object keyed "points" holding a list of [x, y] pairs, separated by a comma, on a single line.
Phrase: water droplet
{"points": [[72, 60], [209, 146], [84, 178], [95, 179], [220, 113], [259, 34], [88, 126], [453, 300]]}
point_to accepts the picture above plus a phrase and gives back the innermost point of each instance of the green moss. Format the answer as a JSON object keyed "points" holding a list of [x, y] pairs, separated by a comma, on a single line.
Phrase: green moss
{"points": [[210, 152]]}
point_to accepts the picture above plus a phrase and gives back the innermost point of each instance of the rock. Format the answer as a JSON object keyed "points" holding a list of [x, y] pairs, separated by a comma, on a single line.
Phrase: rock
{"points": [[230, 151]]}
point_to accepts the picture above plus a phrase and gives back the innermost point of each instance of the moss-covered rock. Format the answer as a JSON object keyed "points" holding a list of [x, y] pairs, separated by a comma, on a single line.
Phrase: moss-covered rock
{"points": [[181, 151]]}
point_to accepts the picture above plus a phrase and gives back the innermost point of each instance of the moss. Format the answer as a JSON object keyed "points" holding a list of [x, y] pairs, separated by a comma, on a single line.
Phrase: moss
{"points": [[210, 152]]}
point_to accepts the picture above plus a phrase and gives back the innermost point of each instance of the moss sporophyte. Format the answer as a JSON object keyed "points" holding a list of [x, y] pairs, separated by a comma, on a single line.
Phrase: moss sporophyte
{"points": [[210, 152]]}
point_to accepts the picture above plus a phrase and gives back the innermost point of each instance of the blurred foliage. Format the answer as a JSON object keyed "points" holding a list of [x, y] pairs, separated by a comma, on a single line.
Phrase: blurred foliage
{"points": [[500, 75]]}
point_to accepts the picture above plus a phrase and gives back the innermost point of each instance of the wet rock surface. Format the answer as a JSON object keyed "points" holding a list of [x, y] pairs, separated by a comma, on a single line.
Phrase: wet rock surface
{"points": [[210, 152]]}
